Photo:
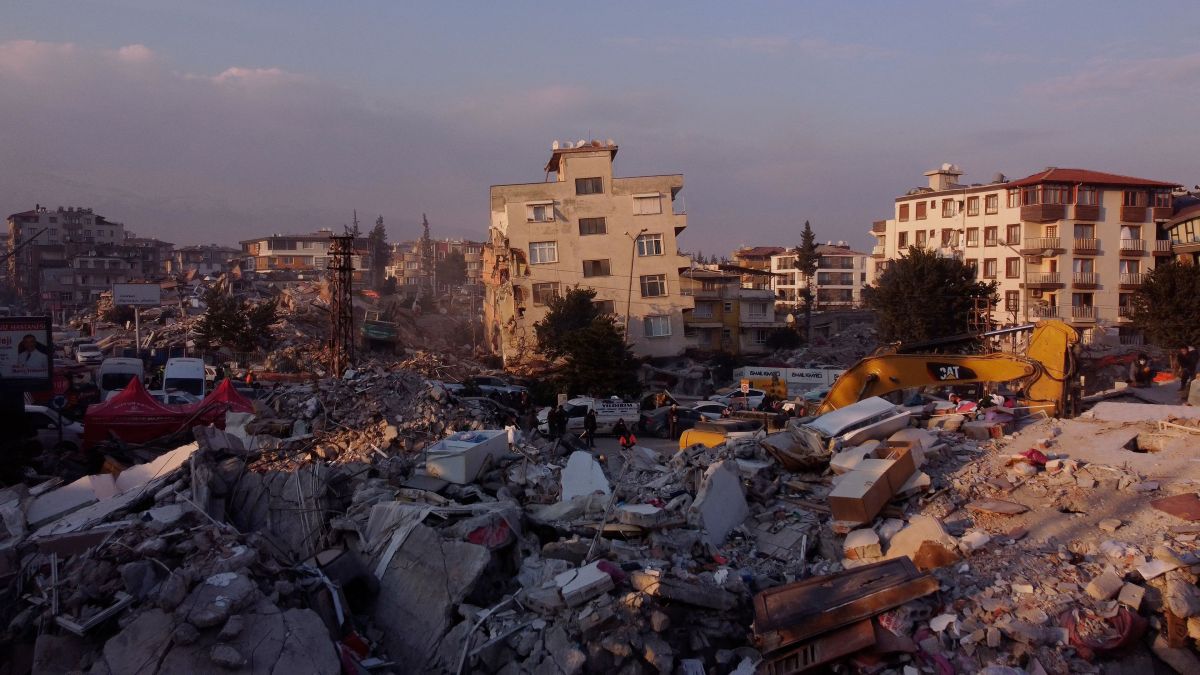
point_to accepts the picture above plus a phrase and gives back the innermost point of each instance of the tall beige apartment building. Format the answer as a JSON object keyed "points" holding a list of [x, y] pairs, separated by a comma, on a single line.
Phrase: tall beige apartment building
{"points": [[583, 227], [1069, 244]]}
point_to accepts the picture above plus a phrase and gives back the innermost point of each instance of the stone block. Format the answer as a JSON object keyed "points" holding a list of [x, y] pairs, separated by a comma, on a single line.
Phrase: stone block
{"points": [[862, 545], [1131, 596], [582, 584], [720, 505], [1105, 586]]}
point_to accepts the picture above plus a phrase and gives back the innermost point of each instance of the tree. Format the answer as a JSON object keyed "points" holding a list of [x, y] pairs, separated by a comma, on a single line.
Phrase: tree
{"points": [[923, 296], [426, 250], [1167, 305], [380, 253], [595, 358], [807, 259], [452, 270], [783, 338], [235, 324]]}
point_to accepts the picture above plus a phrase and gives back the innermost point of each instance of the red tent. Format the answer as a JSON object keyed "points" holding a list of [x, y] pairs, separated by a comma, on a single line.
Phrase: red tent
{"points": [[132, 416], [219, 401]]}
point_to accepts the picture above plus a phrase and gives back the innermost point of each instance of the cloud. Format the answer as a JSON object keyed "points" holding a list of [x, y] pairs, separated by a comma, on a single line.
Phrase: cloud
{"points": [[769, 45], [1107, 77], [135, 53]]}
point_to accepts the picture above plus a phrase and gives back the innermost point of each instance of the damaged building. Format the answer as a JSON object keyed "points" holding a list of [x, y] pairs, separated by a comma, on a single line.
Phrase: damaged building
{"points": [[584, 227]]}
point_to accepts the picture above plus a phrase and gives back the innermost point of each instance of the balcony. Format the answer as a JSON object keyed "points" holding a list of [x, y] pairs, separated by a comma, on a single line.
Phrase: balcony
{"points": [[1043, 213], [1133, 214], [877, 252], [1162, 213], [1124, 312], [1083, 313], [1085, 280], [1039, 245], [1132, 279], [1050, 280], [1133, 247], [1038, 312], [1131, 340], [1086, 246], [879, 226], [1162, 247], [1087, 212]]}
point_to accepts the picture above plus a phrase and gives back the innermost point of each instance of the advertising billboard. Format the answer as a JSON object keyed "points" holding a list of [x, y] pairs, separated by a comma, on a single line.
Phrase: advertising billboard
{"points": [[26, 354], [137, 294]]}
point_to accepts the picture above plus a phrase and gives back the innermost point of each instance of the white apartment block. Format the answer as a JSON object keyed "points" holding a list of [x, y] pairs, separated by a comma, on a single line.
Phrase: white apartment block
{"points": [[837, 284], [1069, 244], [585, 227]]}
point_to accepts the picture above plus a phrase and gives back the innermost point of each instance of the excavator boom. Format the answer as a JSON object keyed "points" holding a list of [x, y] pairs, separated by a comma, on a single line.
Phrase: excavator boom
{"points": [[1042, 372]]}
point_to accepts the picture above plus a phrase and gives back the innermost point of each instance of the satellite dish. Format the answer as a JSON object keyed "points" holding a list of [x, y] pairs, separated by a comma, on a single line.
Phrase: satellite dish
{"points": [[581, 143], [554, 145]]}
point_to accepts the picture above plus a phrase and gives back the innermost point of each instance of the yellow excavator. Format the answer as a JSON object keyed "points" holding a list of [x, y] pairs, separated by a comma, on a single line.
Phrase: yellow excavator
{"points": [[1042, 376]]}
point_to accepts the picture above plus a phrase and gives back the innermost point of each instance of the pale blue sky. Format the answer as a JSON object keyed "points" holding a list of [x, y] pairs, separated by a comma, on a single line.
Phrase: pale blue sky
{"points": [[220, 120]]}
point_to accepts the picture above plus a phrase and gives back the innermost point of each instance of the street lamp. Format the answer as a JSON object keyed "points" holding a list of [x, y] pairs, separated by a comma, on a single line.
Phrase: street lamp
{"points": [[629, 296]]}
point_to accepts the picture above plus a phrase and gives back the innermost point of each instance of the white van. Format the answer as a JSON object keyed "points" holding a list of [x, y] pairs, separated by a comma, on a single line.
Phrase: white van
{"points": [[185, 374], [608, 411], [115, 373]]}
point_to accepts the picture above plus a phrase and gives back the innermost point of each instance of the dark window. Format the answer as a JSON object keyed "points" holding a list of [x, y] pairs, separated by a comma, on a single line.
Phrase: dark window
{"points": [[592, 226], [604, 306], [595, 268], [543, 292], [589, 186]]}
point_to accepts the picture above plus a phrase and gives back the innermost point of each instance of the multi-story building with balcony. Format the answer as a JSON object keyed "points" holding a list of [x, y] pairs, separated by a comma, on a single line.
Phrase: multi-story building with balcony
{"points": [[1071, 244], [728, 316], [837, 284], [204, 260], [301, 254], [43, 238], [1183, 230], [584, 227]]}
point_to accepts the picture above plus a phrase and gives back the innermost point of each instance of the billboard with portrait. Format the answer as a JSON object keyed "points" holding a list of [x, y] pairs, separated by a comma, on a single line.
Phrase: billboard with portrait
{"points": [[26, 353]]}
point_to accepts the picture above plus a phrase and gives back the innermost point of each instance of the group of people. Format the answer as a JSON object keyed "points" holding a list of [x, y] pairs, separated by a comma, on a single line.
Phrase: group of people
{"points": [[556, 421], [1142, 372]]}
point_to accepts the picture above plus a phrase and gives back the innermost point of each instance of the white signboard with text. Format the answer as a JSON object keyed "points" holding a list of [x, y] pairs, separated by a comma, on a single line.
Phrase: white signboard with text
{"points": [[797, 379], [137, 294]]}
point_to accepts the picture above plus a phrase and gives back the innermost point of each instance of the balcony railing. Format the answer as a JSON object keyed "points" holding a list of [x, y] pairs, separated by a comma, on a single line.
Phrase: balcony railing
{"points": [[1132, 279], [1085, 280], [1043, 213], [1133, 214], [1162, 246], [1125, 311], [879, 226], [1044, 279], [991, 242], [1133, 247], [1083, 312], [1044, 312], [1037, 245], [1087, 246], [877, 251], [1132, 340]]}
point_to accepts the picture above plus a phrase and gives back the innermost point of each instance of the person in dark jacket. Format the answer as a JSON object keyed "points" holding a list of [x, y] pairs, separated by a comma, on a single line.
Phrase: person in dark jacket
{"points": [[1188, 358], [624, 436], [673, 420], [589, 427], [1140, 372]]}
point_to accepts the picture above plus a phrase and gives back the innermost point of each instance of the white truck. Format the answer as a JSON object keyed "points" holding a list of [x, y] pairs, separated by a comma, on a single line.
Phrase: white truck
{"points": [[185, 374], [608, 411]]}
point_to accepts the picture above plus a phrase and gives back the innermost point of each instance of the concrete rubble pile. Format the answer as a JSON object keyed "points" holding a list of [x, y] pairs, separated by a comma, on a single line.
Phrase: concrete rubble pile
{"points": [[843, 349], [377, 523]]}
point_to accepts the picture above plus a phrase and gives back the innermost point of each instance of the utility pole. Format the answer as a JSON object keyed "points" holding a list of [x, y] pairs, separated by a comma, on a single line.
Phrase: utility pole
{"points": [[629, 296], [341, 309]]}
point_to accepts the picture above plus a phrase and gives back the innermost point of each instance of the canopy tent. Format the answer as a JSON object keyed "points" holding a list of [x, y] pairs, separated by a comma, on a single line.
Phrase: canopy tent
{"points": [[133, 416], [219, 401]]}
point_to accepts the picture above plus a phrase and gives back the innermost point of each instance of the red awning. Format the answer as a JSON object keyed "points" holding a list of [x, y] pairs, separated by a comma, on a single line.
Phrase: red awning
{"points": [[219, 401], [132, 415]]}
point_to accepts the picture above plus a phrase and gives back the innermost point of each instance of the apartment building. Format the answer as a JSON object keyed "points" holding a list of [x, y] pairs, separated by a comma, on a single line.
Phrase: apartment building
{"points": [[203, 260], [1070, 244], [727, 315], [409, 269], [302, 254], [585, 227], [756, 258], [1183, 230], [45, 238], [837, 284]]}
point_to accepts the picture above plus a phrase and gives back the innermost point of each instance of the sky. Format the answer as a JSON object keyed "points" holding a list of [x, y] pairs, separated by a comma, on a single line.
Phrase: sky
{"points": [[215, 121]]}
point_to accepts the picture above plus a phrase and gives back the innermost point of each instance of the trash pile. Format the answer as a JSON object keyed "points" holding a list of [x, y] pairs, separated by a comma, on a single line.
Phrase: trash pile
{"points": [[378, 523]]}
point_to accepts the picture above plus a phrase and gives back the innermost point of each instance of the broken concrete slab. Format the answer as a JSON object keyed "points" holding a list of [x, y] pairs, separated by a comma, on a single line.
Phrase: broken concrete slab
{"points": [[997, 506], [656, 583], [1131, 596], [1185, 506], [1105, 586], [926, 542], [1181, 596], [862, 545], [641, 515], [583, 476], [720, 505], [584, 583], [140, 647]]}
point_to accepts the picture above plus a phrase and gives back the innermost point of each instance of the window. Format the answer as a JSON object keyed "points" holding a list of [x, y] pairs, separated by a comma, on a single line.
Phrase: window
{"points": [[728, 306], [1085, 231], [1087, 196], [1131, 267], [595, 268], [921, 210], [704, 310], [1134, 198], [761, 335], [543, 292], [989, 268], [902, 241], [589, 186], [654, 285], [972, 236], [1013, 234], [1056, 194], [1014, 198], [1162, 199], [657, 325], [973, 264], [649, 244], [1081, 299], [948, 210], [757, 310], [646, 205], [592, 226], [1051, 231], [1083, 266], [947, 237], [1131, 232], [991, 204], [604, 306], [542, 252], [921, 236], [1012, 268], [1012, 301], [903, 212], [542, 212], [972, 206], [991, 236]]}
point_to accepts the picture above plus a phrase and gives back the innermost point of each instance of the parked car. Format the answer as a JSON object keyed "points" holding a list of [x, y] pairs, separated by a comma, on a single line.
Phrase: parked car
{"points": [[88, 353], [608, 411], [711, 410], [713, 433], [48, 423], [737, 400], [115, 374], [657, 422]]}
